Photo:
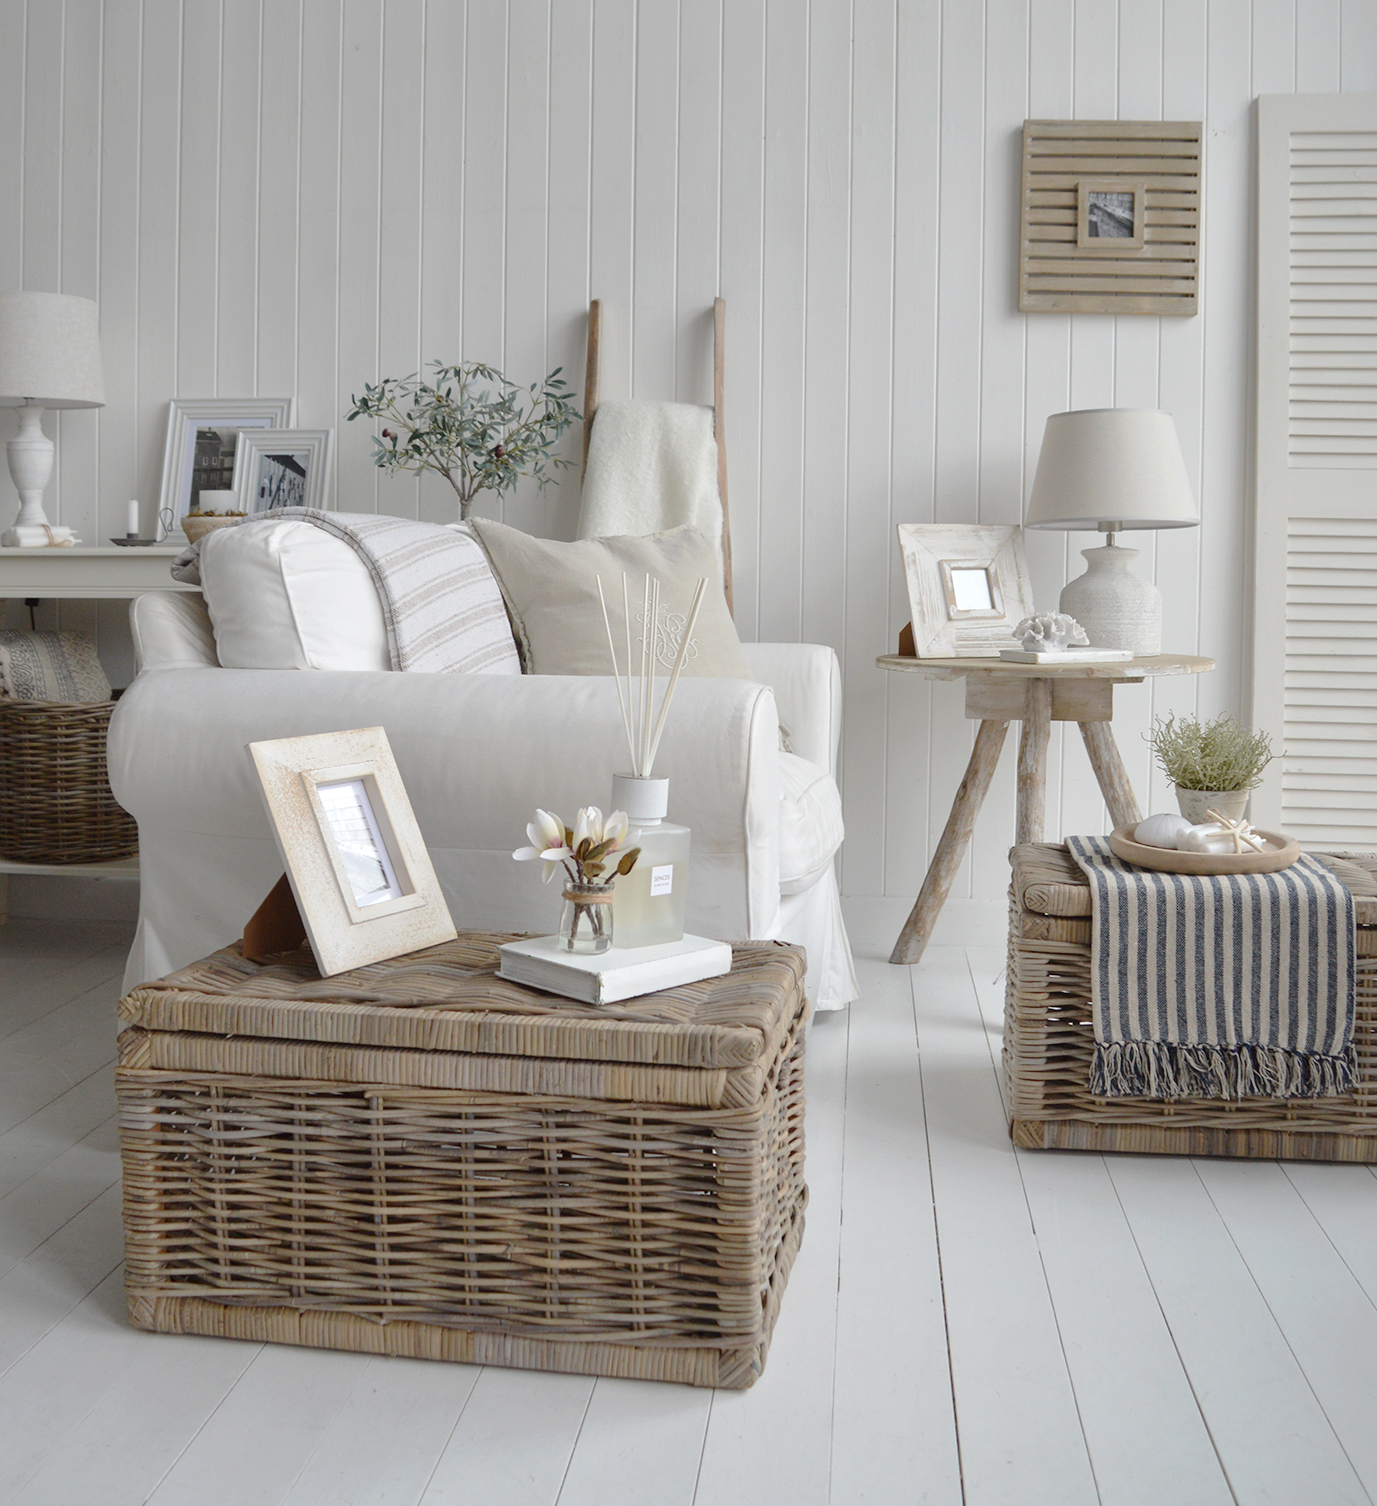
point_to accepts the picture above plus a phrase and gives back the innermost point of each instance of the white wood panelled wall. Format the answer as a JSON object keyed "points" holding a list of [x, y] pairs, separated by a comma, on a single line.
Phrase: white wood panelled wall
{"points": [[295, 196]]}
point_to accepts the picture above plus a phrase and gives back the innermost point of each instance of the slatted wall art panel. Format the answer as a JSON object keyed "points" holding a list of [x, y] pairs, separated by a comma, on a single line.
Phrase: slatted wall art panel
{"points": [[1329, 771], [1132, 258], [1332, 410]]}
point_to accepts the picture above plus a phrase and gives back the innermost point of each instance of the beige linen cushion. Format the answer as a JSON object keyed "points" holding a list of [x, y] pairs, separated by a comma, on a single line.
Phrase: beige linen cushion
{"points": [[551, 592], [51, 667]]}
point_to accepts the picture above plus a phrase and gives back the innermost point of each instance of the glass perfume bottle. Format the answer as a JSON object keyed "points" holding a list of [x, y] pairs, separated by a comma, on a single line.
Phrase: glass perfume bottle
{"points": [[649, 901]]}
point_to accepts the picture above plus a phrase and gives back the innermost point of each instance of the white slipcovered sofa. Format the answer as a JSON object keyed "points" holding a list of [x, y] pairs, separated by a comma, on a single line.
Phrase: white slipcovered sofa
{"points": [[478, 752]]}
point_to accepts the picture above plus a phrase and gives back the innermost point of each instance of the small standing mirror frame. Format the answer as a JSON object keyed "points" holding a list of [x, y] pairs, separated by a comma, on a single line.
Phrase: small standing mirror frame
{"points": [[968, 587], [354, 855]]}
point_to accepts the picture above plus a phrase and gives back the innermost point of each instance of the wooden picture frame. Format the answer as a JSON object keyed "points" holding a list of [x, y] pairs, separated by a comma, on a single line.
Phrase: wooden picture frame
{"points": [[276, 468], [968, 587], [1069, 263], [187, 417], [354, 855]]}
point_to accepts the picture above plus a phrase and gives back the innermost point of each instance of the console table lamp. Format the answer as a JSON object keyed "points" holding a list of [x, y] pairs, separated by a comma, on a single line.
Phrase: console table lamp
{"points": [[1111, 469], [49, 358]]}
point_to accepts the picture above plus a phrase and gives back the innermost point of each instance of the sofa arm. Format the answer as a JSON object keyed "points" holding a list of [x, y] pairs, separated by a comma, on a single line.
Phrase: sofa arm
{"points": [[478, 753], [172, 629], [806, 680]]}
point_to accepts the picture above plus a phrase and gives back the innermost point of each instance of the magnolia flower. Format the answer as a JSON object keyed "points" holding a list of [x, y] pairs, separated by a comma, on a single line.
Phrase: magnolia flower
{"points": [[549, 841], [585, 849]]}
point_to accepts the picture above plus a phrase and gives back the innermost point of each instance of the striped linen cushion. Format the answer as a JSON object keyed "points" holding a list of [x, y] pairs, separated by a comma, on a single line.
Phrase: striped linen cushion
{"points": [[1223, 987]]}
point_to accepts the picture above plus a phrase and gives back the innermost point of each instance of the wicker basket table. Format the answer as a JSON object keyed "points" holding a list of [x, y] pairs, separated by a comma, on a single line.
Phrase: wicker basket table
{"points": [[420, 1158], [1049, 1040]]}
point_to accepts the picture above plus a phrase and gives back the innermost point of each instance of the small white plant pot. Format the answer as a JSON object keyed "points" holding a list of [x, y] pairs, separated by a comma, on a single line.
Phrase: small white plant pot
{"points": [[1195, 804]]}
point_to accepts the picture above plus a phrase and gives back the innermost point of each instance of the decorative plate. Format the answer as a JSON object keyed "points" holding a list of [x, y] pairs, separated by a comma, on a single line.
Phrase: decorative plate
{"points": [[1280, 852]]}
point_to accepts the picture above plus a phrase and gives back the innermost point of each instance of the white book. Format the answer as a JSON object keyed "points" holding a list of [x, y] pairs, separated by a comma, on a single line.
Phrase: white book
{"points": [[1066, 655], [620, 973]]}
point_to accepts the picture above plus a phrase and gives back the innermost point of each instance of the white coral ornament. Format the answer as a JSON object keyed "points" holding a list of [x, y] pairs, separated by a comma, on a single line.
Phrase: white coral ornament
{"points": [[1050, 633]]}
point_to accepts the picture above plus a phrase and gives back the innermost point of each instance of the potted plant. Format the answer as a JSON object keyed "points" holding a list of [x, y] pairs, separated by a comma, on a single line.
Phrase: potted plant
{"points": [[471, 425], [1214, 765]]}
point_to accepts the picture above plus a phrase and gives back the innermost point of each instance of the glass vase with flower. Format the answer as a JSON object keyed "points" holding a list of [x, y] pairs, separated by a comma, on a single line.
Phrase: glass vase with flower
{"points": [[593, 852]]}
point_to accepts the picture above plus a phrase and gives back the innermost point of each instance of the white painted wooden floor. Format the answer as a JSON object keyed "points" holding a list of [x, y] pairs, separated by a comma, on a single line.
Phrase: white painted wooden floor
{"points": [[980, 1326]]}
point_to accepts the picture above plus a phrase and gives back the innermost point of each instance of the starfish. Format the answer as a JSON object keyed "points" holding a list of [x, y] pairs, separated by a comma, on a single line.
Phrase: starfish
{"points": [[1239, 830]]}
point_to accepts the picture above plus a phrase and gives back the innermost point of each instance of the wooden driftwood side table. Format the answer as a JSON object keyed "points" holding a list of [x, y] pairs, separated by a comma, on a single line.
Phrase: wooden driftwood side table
{"points": [[997, 693]]}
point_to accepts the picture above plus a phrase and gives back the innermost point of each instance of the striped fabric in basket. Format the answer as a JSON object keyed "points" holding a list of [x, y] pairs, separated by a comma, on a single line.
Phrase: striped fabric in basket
{"points": [[1228, 987]]}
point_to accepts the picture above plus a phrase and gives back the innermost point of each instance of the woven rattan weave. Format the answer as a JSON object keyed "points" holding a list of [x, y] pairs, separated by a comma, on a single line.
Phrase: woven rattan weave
{"points": [[1049, 1040], [55, 799], [421, 1158]]}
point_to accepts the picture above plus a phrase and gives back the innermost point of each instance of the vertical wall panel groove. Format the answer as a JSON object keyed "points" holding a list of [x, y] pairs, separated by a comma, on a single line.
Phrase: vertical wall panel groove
{"points": [[303, 195]]}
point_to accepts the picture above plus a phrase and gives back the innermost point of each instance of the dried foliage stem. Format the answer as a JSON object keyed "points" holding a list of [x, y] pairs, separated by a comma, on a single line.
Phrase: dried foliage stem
{"points": [[1215, 755]]}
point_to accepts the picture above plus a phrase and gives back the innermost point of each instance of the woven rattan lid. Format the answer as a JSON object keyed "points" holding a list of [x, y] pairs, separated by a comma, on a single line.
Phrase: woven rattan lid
{"points": [[1048, 881], [449, 998]]}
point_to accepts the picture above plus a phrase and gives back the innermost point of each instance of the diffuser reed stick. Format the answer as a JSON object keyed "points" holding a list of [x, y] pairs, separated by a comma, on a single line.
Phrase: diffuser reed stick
{"points": [[643, 726]]}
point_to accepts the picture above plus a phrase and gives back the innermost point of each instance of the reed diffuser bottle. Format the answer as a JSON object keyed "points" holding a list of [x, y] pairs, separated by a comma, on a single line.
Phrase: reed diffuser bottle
{"points": [[649, 902]]}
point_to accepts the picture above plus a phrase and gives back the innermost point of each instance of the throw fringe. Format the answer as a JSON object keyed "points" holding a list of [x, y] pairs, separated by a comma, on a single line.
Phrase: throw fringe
{"points": [[1160, 1069]]}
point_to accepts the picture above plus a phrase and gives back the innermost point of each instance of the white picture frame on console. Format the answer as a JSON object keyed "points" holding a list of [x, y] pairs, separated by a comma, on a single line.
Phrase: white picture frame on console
{"points": [[193, 418], [276, 468], [968, 585]]}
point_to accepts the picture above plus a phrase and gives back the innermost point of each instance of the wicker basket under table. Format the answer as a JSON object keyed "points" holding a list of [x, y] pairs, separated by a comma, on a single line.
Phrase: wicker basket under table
{"points": [[1049, 1039], [419, 1158]]}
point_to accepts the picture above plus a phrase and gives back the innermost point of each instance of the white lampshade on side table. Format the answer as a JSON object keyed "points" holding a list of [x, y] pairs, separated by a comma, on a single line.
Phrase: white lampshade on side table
{"points": [[1111, 469], [49, 358]]}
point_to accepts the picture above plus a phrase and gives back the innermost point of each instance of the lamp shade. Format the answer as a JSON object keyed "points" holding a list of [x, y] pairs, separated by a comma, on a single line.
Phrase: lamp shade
{"points": [[1111, 466], [50, 351]]}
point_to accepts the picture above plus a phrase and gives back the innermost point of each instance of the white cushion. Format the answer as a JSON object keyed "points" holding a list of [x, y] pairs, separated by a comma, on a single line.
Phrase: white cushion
{"points": [[810, 822], [288, 595]]}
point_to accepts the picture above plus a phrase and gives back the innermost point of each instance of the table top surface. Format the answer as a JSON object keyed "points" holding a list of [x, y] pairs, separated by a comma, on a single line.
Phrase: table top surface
{"points": [[1142, 667]]}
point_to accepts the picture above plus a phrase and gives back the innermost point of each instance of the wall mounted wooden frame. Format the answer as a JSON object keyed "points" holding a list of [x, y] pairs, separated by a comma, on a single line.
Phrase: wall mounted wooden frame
{"points": [[1075, 168], [354, 855], [968, 586]]}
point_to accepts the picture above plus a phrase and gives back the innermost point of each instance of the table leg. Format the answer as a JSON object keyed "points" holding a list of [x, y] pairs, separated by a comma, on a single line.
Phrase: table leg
{"points": [[956, 835], [1109, 770], [1032, 760]]}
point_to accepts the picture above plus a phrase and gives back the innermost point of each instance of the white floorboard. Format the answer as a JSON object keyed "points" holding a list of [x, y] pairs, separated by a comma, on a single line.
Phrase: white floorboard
{"points": [[964, 1324]]}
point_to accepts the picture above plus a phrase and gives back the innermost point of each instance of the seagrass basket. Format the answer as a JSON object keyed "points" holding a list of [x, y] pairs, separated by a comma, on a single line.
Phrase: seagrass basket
{"points": [[420, 1158], [56, 805], [1049, 1040]]}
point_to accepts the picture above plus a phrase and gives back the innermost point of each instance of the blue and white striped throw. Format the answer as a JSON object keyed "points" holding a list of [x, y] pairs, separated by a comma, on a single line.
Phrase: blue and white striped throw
{"points": [[1228, 987]]}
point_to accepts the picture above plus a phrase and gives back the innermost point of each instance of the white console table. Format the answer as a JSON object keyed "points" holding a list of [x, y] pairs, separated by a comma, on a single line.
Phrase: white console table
{"points": [[81, 573], [88, 574]]}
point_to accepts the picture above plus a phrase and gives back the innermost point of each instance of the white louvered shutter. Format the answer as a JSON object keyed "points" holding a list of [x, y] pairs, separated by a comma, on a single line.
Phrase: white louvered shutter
{"points": [[1315, 613]]}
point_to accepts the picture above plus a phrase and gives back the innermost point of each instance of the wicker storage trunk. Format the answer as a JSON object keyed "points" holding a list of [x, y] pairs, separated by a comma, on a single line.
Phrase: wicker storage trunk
{"points": [[420, 1158], [1049, 1039], [55, 800]]}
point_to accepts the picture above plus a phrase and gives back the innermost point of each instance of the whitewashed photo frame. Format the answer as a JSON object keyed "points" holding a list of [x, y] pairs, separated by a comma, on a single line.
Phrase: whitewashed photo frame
{"points": [[226, 417], [277, 468], [968, 586], [354, 855]]}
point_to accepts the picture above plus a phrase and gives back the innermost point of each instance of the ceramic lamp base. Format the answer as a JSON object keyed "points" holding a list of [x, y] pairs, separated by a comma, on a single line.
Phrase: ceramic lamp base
{"points": [[1117, 608]]}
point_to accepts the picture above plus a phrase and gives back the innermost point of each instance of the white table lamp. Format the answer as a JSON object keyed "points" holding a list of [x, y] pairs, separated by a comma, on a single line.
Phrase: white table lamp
{"points": [[49, 358], [1111, 469]]}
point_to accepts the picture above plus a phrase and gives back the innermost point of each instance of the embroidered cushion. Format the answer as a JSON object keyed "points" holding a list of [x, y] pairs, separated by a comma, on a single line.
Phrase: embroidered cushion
{"points": [[51, 667], [551, 592]]}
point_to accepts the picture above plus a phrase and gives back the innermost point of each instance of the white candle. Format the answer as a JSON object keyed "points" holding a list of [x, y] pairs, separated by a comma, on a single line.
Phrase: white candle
{"points": [[133, 526]]}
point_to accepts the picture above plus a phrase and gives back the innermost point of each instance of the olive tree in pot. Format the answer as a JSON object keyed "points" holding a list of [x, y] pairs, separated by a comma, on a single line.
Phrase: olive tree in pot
{"points": [[471, 425], [1214, 765]]}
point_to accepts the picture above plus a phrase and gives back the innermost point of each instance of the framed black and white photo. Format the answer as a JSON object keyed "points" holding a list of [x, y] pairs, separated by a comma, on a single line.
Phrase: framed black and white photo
{"points": [[354, 855], [1110, 215], [202, 436], [274, 469]]}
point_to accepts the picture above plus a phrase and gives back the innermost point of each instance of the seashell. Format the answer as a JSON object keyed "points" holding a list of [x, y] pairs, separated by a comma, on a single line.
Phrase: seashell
{"points": [[1161, 830], [1210, 837]]}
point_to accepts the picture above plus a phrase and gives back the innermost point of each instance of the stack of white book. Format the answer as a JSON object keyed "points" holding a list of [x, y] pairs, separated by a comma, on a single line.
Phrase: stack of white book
{"points": [[621, 973]]}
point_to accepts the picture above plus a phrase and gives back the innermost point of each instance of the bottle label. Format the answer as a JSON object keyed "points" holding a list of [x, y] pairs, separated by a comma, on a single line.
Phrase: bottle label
{"points": [[661, 880]]}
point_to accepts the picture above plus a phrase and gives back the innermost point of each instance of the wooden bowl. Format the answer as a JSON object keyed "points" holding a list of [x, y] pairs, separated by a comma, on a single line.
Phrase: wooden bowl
{"points": [[196, 528], [1280, 852]]}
